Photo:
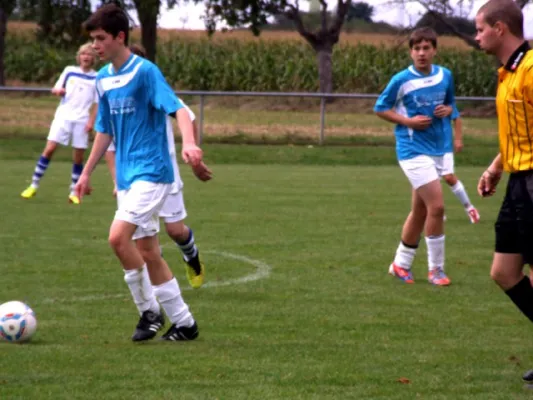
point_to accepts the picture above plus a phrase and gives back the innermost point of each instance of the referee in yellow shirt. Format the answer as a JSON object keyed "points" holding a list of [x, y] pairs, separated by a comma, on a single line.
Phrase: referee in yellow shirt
{"points": [[499, 25]]}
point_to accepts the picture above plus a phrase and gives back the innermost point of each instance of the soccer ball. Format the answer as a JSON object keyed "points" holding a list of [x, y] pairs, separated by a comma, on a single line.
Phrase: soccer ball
{"points": [[17, 322]]}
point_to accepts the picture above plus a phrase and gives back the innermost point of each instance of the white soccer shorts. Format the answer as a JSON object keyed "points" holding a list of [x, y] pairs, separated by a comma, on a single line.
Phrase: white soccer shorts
{"points": [[173, 209], [422, 169], [65, 132], [140, 205]]}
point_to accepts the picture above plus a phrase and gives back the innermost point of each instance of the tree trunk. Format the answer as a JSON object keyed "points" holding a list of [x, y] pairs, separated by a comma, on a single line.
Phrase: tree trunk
{"points": [[148, 10], [3, 31], [325, 67]]}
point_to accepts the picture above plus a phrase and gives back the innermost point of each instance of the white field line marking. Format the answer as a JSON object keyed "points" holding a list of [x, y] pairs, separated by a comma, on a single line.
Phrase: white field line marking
{"points": [[262, 272]]}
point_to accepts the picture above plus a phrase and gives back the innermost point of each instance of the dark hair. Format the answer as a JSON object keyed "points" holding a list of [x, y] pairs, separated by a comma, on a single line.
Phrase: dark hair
{"points": [[424, 34], [506, 11], [138, 49], [110, 18]]}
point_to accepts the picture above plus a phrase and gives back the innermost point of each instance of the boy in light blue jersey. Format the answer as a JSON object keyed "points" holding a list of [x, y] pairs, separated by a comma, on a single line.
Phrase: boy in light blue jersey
{"points": [[173, 211], [420, 101], [134, 103]]}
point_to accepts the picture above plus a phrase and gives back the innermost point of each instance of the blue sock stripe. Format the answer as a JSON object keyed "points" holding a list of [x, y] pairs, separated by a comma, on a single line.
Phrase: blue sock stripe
{"points": [[43, 160], [77, 169]]}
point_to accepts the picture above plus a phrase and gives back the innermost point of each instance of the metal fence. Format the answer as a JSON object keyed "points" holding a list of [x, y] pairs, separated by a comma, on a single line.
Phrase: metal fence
{"points": [[203, 94]]}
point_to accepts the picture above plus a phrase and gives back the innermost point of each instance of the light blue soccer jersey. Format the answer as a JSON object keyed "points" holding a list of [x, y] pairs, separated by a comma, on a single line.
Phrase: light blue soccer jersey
{"points": [[134, 104], [411, 93]]}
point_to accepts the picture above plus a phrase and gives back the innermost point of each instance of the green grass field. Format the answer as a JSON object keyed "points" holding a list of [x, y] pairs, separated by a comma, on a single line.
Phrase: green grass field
{"points": [[297, 305]]}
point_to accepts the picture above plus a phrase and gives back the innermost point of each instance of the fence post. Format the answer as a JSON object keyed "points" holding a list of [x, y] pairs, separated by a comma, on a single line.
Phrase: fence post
{"points": [[322, 120], [201, 127]]}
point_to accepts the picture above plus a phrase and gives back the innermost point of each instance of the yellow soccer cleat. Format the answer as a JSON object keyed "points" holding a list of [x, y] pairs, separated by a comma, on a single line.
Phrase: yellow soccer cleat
{"points": [[29, 192], [195, 271], [73, 199]]}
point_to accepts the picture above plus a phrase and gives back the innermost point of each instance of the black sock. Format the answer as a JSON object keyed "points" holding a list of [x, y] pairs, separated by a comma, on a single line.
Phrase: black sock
{"points": [[522, 295]]}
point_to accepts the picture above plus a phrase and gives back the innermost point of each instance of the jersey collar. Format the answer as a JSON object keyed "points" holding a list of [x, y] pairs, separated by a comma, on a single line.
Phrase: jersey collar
{"points": [[124, 66], [517, 57], [414, 71]]}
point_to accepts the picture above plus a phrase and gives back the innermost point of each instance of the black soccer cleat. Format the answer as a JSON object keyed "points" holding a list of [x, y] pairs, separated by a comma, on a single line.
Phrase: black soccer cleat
{"points": [[181, 333], [528, 376], [149, 324]]}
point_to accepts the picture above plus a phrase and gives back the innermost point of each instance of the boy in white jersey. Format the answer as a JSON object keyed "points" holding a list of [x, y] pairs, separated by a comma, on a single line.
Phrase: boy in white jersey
{"points": [[73, 119], [420, 101], [134, 103], [173, 211]]}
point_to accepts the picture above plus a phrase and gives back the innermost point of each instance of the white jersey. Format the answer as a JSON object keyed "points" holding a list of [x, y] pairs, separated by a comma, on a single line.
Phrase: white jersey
{"points": [[178, 183], [80, 94]]}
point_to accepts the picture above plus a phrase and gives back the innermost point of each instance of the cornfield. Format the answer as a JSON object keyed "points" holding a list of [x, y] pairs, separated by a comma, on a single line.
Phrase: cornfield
{"points": [[263, 65]]}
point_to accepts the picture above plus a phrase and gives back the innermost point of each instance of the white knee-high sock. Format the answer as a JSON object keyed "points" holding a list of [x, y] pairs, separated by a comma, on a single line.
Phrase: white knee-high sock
{"points": [[141, 289], [459, 191], [404, 256], [169, 296], [435, 245]]}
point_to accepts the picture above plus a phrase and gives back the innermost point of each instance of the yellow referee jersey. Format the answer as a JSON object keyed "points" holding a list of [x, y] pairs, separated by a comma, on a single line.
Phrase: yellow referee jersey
{"points": [[514, 104]]}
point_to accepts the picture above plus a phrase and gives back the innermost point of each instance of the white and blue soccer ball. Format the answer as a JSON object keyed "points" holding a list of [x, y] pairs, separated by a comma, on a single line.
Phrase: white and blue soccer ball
{"points": [[17, 322]]}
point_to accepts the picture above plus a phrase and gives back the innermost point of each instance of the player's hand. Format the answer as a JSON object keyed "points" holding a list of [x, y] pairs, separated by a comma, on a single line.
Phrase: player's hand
{"points": [[458, 145], [419, 122], [59, 92], [202, 172], [83, 187], [88, 127], [442, 111], [191, 154], [487, 183], [115, 191]]}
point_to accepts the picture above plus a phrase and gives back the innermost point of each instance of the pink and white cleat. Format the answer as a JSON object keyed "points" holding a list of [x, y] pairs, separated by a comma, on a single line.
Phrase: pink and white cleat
{"points": [[473, 214], [437, 277], [401, 273]]}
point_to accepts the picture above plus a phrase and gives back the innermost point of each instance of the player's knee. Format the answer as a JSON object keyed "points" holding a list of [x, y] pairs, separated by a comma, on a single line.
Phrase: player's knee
{"points": [[419, 213], [117, 241], [177, 231], [150, 255], [498, 276], [504, 278], [450, 179], [436, 210]]}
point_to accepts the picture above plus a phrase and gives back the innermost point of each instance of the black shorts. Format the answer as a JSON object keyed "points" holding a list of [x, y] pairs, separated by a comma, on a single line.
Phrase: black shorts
{"points": [[514, 226]]}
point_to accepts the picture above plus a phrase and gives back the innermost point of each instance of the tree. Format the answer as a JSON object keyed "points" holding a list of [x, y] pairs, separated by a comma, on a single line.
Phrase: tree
{"points": [[6, 8], [443, 9], [442, 24], [360, 10], [254, 14], [148, 12], [60, 22]]}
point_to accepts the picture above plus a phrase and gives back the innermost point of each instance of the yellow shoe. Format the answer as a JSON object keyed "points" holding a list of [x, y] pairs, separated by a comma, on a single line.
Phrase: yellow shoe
{"points": [[29, 192], [195, 271], [73, 199]]}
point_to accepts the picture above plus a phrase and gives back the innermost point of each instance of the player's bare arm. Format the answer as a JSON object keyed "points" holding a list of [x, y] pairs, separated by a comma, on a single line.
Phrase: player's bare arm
{"points": [[92, 117], [418, 122], [101, 143], [191, 153], [58, 92], [458, 135]]}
